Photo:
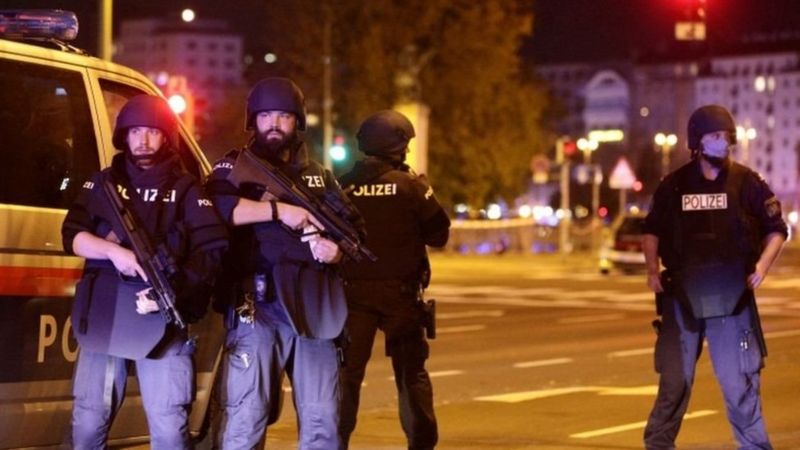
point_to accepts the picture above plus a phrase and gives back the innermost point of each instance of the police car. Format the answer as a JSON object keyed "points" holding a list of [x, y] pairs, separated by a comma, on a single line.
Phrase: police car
{"points": [[624, 251], [57, 110]]}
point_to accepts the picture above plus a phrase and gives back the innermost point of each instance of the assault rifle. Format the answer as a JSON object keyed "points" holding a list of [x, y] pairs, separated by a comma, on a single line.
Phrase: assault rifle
{"points": [[156, 262], [330, 211]]}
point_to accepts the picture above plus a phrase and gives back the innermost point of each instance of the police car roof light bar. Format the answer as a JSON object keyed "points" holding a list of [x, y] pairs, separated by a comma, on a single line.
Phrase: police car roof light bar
{"points": [[21, 24]]}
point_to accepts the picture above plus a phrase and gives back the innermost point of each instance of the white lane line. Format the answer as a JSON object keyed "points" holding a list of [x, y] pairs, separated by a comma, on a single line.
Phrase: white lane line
{"points": [[445, 373], [517, 397], [591, 319], [524, 396], [459, 329], [635, 425], [470, 314], [542, 363], [651, 389], [633, 352]]}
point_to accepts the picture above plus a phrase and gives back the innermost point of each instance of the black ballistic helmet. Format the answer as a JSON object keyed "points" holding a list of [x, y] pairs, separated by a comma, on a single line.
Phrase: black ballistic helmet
{"points": [[708, 119], [145, 111], [384, 133], [275, 94]]}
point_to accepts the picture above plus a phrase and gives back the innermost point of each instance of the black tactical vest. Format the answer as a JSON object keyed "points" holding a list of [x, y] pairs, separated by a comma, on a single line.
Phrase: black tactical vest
{"points": [[712, 240]]}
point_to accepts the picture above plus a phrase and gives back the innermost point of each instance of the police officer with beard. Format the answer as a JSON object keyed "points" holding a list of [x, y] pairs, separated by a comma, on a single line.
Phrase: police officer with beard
{"points": [[286, 300], [114, 320], [402, 217], [717, 229]]}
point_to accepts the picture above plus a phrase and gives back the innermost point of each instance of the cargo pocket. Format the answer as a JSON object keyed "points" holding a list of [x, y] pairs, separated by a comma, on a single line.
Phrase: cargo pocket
{"points": [[181, 380], [750, 358], [240, 371]]}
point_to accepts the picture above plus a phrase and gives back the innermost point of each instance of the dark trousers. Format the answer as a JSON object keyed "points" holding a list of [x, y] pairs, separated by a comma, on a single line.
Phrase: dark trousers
{"points": [[256, 357], [737, 361], [166, 386], [390, 307]]}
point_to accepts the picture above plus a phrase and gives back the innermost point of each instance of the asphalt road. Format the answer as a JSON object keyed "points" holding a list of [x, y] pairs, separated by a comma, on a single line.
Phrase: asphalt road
{"points": [[544, 352]]}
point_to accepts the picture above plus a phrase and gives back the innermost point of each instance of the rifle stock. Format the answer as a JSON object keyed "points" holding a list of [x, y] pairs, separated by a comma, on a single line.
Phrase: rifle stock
{"points": [[157, 263], [250, 168]]}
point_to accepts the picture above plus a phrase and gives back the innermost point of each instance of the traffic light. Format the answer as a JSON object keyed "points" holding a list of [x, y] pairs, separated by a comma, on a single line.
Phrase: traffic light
{"points": [[180, 99], [338, 150]]}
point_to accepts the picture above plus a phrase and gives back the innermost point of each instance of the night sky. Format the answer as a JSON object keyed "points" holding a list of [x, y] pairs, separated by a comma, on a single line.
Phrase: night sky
{"points": [[564, 30]]}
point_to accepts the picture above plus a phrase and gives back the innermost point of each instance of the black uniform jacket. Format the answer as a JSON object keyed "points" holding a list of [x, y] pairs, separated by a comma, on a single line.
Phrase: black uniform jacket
{"points": [[174, 210], [310, 292], [402, 216], [758, 207]]}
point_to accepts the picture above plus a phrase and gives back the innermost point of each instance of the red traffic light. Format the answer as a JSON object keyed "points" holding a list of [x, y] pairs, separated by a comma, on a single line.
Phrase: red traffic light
{"points": [[570, 148]]}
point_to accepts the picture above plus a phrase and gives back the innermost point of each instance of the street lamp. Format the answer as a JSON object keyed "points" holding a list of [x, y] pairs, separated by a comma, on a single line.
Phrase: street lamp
{"points": [[745, 135], [666, 142], [587, 146]]}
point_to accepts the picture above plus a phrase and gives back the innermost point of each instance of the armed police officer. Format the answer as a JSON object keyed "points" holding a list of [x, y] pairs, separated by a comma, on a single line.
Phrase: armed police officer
{"points": [[286, 299], [717, 229], [402, 217], [114, 317]]}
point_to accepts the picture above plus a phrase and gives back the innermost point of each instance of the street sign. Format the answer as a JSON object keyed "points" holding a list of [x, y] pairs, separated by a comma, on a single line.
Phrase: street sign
{"points": [[622, 177]]}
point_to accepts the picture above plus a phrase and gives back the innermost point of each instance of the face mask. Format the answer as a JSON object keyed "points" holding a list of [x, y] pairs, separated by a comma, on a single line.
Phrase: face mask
{"points": [[715, 152]]}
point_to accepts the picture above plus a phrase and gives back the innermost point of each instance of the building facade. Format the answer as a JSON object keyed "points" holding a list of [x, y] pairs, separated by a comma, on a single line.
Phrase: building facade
{"points": [[762, 90], [206, 52]]}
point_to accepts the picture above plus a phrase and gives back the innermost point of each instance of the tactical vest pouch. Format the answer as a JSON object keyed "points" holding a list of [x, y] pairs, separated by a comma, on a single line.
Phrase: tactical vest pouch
{"points": [[112, 325], [713, 289], [313, 297]]}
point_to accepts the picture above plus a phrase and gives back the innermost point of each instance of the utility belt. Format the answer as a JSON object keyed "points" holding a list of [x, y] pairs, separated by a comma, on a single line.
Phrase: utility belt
{"points": [[251, 290]]}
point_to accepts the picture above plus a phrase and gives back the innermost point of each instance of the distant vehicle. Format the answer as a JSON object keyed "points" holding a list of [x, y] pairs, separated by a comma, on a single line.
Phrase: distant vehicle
{"points": [[624, 252], [57, 111]]}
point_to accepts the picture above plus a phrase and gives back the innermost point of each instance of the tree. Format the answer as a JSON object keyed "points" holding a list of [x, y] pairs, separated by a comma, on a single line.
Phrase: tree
{"points": [[460, 57]]}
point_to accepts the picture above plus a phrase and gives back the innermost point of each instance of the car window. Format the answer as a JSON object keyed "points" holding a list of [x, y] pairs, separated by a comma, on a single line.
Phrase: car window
{"points": [[47, 141], [115, 95]]}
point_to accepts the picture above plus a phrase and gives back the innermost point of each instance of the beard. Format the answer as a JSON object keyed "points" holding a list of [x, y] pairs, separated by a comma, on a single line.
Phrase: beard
{"points": [[145, 161], [272, 147], [715, 161]]}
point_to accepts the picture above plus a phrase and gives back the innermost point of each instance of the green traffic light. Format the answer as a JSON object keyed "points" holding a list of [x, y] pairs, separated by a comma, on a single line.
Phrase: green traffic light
{"points": [[338, 153]]}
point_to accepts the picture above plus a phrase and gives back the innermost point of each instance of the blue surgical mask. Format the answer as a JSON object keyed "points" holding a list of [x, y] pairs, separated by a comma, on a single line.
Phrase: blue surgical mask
{"points": [[716, 148], [716, 151]]}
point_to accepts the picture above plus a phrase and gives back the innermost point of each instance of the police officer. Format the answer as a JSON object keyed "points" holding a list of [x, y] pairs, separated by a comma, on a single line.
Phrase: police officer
{"points": [[115, 321], [717, 228], [402, 217], [286, 299]]}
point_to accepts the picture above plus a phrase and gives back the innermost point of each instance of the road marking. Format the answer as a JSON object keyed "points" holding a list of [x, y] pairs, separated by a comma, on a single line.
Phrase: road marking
{"points": [[651, 389], [636, 425], [633, 352], [470, 314], [591, 319], [542, 363], [445, 373], [459, 329], [518, 397]]}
